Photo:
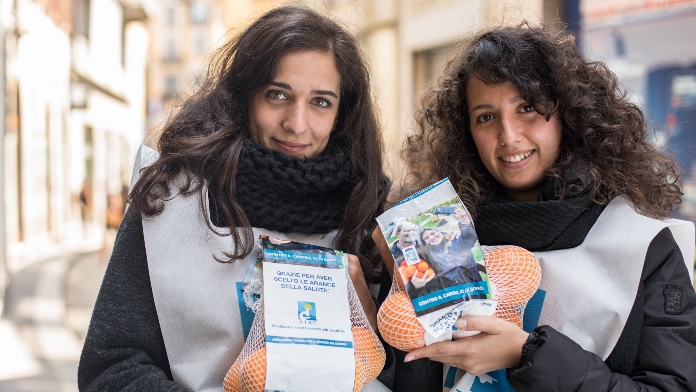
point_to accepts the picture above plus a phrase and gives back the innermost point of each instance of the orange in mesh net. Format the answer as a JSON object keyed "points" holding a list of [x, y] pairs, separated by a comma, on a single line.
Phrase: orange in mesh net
{"points": [[369, 352], [254, 372], [250, 375], [508, 313], [360, 375], [514, 272], [397, 323], [233, 378]]}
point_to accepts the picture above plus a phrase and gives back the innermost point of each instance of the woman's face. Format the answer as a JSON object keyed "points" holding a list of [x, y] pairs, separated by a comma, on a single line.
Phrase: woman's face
{"points": [[516, 144], [432, 237], [296, 112]]}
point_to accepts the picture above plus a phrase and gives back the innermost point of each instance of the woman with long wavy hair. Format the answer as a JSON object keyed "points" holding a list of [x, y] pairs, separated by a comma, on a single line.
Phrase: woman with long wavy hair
{"points": [[281, 138], [547, 153]]}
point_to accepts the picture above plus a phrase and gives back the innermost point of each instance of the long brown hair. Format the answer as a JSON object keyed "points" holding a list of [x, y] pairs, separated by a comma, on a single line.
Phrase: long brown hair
{"points": [[204, 139], [600, 125]]}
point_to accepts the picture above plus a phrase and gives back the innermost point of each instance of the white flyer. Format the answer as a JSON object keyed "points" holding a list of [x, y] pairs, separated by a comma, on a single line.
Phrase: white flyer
{"points": [[309, 340]]}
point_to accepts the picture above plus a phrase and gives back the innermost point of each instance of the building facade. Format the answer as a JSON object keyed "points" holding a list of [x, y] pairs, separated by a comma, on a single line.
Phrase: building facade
{"points": [[75, 113], [184, 33]]}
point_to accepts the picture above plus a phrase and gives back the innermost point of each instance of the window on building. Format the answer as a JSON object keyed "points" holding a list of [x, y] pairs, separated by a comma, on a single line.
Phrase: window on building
{"points": [[170, 86], [171, 49], [199, 12], [171, 15], [199, 44], [81, 17]]}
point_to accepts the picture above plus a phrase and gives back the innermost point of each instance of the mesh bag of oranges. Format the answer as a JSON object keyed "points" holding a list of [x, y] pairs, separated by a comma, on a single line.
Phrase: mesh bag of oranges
{"points": [[514, 275], [441, 272], [306, 336]]}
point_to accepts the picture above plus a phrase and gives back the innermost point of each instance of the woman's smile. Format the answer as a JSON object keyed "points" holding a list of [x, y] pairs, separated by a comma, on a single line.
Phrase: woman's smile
{"points": [[290, 147], [517, 159]]}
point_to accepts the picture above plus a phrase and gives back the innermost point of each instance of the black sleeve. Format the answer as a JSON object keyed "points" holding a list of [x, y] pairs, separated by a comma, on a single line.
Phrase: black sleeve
{"points": [[124, 349], [421, 375], [666, 355]]}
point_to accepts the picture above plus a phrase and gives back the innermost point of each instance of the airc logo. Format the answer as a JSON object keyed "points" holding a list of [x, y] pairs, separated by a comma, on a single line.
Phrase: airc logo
{"points": [[306, 312]]}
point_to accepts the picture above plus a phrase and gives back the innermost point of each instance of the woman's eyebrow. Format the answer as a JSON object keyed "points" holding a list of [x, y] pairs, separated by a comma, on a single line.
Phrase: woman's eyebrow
{"points": [[325, 92], [320, 92], [281, 85], [512, 100], [482, 106]]}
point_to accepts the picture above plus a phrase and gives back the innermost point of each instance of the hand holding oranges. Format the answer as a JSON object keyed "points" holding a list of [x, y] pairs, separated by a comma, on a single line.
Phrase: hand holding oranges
{"points": [[420, 270]]}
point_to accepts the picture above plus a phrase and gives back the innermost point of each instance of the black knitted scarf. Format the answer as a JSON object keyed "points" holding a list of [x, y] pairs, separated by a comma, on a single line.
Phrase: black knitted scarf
{"points": [[286, 194], [546, 224]]}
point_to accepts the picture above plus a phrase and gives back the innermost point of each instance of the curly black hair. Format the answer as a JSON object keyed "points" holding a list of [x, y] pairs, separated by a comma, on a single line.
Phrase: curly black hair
{"points": [[600, 125]]}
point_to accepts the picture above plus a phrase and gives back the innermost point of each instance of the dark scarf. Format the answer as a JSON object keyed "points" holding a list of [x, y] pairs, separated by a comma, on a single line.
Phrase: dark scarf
{"points": [[546, 224], [286, 194]]}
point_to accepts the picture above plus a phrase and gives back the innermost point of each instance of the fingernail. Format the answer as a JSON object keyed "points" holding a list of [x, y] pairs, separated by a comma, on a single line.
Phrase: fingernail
{"points": [[409, 358], [461, 323]]}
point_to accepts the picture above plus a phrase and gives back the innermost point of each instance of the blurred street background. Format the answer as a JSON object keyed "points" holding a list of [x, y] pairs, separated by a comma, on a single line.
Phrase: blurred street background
{"points": [[86, 82]]}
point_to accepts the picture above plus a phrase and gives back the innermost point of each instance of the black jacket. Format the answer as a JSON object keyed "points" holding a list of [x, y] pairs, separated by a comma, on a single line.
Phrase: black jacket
{"points": [[124, 349], [665, 339]]}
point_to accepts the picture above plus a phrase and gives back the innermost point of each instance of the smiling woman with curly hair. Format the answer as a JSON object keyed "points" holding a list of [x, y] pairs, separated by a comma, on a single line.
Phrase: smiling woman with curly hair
{"points": [[548, 154], [600, 125]]}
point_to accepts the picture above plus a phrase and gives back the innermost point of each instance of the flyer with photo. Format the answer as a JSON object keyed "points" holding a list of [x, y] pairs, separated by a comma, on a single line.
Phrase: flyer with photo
{"points": [[436, 253]]}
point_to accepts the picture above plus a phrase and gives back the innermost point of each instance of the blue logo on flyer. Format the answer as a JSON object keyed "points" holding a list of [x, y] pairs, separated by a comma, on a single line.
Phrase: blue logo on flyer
{"points": [[306, 312]]}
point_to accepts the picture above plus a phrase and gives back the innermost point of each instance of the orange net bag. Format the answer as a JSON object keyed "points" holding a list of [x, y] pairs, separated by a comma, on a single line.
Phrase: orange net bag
{"points": [[248, 373], [513, 272]]}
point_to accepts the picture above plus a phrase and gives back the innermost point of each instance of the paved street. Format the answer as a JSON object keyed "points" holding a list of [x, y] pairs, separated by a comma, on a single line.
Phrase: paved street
{"points": [[44, 325]]}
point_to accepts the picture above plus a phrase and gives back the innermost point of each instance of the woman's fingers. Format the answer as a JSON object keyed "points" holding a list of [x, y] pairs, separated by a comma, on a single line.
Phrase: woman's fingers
{"points": [[428, 279], [489, 325], [499, 346], [419, 282], [436, 350], [483, 324], [353, 265]]}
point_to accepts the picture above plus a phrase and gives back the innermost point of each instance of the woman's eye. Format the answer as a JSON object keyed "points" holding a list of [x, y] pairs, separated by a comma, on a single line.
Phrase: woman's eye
{"points": [[527, 108], [275, 94], [321, 102], [484, 118]]}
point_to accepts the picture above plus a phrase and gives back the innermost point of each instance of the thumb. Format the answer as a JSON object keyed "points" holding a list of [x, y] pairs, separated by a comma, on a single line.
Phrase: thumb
{"points": [[490, 325]]}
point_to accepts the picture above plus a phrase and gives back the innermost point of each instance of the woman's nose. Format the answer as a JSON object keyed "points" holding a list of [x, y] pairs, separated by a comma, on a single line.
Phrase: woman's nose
{"points": [[510, 131], [296, 121]]}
